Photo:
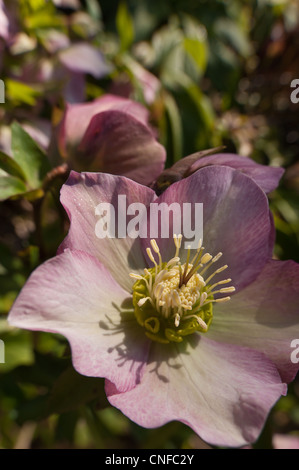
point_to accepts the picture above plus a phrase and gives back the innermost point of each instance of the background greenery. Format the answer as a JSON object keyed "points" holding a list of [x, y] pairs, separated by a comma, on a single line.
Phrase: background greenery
{"points": [[222, 72]]}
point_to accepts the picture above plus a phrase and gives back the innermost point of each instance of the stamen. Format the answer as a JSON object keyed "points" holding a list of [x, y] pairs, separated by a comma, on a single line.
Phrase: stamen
{"points": [[151, 257], [177, 241], [173, 261], [175, 298], [177, 293], [177, 319], [142, 301], [203, 298], [218, 271], [206, 258], [156, 250], [224, 281], [158, 290], [213, 260], [150, 283], [135, 276], [223, 299], [216, 258], [225, 290], [198, 252], [199, 320]]}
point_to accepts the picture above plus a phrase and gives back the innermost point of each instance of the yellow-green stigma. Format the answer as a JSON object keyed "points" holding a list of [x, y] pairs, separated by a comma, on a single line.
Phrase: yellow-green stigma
{"points": [[173, 300]]}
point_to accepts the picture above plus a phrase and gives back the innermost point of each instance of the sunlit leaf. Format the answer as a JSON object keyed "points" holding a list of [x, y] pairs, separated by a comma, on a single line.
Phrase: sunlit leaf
{"points": [[11, 186], [198, 51], [29, 156], [20, 92], [125, 26], [17, 347], [10, 166]]}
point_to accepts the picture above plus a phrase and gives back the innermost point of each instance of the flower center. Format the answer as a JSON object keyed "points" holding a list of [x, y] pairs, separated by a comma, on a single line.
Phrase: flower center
{"points": [[173, 300]]}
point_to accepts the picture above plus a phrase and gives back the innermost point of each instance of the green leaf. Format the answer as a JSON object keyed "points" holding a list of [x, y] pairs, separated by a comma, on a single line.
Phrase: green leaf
{"points": [[36, 4], [41, 20], [72, 390], [94, 9], [10, 166], [11, 186], [176, 126], [125, 26], [201, 101], [20, 92], [17, 347], [29, 156], [198, 51]]}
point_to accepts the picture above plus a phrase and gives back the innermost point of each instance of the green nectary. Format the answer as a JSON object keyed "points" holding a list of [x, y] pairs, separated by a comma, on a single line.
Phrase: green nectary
{"points": [[161, 329]]}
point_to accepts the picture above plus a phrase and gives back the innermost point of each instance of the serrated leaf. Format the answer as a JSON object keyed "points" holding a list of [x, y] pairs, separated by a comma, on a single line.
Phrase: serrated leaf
{"points": [[11, 186], [29, 156]]}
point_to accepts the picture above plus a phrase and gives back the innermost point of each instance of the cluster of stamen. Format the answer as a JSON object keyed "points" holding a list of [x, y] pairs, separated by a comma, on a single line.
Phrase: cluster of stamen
{"points": [[175, 297]]}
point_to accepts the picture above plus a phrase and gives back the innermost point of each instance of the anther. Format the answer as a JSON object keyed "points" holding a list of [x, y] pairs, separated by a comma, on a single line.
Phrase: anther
{"points": [[206, 258]]}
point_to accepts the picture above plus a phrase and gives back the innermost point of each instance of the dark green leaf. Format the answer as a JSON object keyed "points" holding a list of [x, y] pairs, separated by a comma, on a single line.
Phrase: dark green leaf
{"points": [[72, 390]]}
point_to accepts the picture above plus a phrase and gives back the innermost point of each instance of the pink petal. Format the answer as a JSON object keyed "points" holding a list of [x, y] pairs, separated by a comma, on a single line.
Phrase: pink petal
{"points": [[84, 58], [4, 22], [74, 295], [236, 220], [267, 177], [223, 392], [119, 144], [80, 195], [78, 116], [264, 316], [285, 441]]}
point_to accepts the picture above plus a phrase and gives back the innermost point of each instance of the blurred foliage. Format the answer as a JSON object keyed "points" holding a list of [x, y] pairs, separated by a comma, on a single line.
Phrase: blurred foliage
{"points": [[211, 73]]}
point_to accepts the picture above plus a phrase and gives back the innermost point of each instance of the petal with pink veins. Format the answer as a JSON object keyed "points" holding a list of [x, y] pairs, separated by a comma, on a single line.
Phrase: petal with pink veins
{"points": [[74, 295], [236, 220], [264, 316], [223, 392], [77, 117], [117, 143], [267, 177], [84, 58], [80, 196]]}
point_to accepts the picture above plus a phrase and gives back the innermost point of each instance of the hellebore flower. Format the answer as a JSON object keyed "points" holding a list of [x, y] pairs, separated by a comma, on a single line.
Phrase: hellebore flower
{"points": [[112, 135], [202, 337]]}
